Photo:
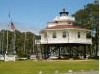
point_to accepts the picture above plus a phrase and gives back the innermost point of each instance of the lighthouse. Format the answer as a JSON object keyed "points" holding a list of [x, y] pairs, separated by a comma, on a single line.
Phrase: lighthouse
{"points": [[64, 39]]}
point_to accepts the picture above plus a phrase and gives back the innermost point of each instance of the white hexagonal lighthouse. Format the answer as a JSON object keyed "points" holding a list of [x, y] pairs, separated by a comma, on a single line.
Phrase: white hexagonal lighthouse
{"points": [[62, 38]]}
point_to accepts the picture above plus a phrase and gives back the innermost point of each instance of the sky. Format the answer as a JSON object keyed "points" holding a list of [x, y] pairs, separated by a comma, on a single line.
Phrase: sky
{"points": [[33, 15]]}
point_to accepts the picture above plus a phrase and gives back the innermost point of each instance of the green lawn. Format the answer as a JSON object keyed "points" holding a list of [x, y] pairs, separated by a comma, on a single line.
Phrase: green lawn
{"points": [[48, 67]]}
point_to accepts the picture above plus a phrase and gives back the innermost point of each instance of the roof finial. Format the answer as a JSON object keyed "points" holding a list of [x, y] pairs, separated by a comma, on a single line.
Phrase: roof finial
{"points": [[63, 9], [64, 13]]}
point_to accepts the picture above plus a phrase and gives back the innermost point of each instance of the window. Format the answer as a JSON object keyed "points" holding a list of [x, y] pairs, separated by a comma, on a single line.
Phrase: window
{"points": [[78, 34], [64, 34], [54, 35]]}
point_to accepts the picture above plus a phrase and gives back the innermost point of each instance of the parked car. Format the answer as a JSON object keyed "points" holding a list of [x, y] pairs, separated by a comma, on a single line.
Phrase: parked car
{"points": [[1, 57], [33, 57], [53, 57]]}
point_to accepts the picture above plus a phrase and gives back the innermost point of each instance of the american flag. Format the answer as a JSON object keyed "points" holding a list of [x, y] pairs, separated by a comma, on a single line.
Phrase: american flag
{"points": [[12, 26]]}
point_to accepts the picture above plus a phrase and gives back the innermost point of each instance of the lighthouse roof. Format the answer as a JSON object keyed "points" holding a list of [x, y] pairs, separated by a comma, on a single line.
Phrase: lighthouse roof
{"points": [[57, 27], [64, 17]]}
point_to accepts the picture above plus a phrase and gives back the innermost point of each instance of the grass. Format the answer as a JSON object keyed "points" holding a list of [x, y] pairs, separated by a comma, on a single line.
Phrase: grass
{"points": [[48, 67]]}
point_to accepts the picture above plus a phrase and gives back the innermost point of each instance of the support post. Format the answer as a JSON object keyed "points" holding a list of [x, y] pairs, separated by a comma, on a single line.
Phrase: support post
{"points": [[84, 51], [59, 52]]}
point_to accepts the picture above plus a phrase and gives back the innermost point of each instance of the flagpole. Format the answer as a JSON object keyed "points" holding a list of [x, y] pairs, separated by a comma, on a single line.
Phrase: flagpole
{"points": [[14, 35], [7, 32]]}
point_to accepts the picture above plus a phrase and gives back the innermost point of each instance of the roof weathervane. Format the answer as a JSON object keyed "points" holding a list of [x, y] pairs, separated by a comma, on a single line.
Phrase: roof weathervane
{"points": [[63, 9], [64, 13]]}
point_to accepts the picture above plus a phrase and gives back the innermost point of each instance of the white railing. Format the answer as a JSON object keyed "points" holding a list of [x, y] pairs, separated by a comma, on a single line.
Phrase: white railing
{"points": [[84, 41], [50, 41]]}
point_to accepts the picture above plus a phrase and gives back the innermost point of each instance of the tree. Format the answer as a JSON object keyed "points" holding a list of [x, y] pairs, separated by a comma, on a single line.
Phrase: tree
{"points": [[19, 42], [89, 18]]}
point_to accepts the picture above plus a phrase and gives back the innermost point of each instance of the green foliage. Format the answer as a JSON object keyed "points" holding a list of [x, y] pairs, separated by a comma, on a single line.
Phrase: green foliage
{"points": [[21, 53], [89, 18], [23, 46], [88, 35]]}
